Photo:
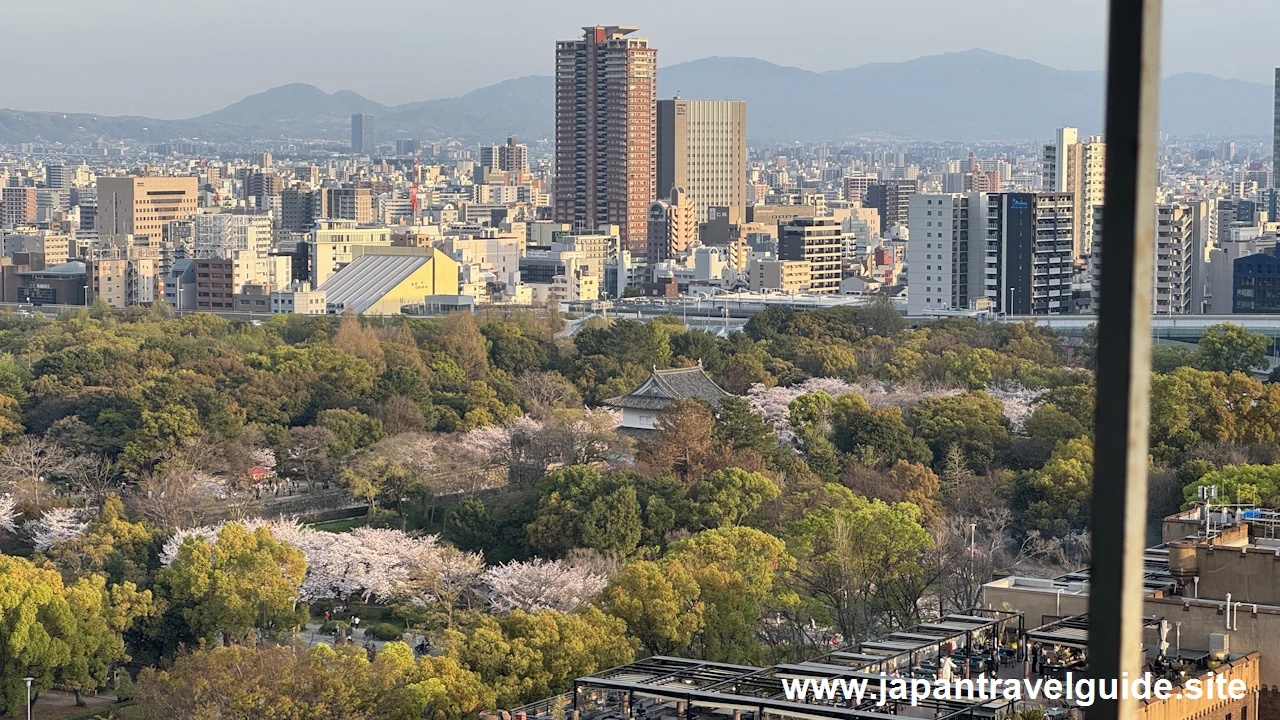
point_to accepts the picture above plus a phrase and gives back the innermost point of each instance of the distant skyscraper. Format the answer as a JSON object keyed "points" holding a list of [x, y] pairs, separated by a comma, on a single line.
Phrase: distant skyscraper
{"points": [[513, 157], [606, 96], [407, 146], [362, 133], [702, 148], [1275, 138]]}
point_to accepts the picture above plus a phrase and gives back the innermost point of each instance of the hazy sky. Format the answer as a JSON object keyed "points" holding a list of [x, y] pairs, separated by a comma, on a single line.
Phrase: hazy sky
{"points": [[195, 57]]}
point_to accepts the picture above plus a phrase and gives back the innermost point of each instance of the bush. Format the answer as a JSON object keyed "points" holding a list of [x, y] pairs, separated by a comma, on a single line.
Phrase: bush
{"points": [[384, 631], [331, 627]]}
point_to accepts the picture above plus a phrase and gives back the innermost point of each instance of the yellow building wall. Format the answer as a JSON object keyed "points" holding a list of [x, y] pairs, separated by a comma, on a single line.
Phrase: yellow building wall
{"points": [[439, 276]]}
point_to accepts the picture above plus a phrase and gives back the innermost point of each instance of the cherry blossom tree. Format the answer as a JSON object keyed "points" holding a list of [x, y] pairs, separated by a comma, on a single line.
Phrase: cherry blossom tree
{"points": [[540, 585], [8, 513], [55, 526], [368, 563], [1019, 403], [775, 402]]}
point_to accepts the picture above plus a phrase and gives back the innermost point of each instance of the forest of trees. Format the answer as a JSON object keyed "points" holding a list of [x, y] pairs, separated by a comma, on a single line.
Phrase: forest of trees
{"points": [[865, 476]]}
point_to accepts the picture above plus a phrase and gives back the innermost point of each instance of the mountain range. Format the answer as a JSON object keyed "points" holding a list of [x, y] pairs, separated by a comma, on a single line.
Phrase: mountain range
{"points": [[963, 96]]}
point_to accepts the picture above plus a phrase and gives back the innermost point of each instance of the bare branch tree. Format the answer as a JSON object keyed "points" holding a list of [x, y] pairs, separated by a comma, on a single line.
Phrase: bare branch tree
{"points": [[26, 465]]}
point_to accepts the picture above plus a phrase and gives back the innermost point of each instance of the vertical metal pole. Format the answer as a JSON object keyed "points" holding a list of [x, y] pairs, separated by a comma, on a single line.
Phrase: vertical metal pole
{"points": [[1124, 349]]}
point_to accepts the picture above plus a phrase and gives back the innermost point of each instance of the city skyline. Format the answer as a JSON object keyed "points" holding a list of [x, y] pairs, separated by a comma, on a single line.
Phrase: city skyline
{"points": [[1212, 43]]}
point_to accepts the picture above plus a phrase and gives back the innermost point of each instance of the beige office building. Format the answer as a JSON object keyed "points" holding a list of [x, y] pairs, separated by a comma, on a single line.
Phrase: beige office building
{"points": [[144, 206], [789, 276], [336, 243], [702, 148]]}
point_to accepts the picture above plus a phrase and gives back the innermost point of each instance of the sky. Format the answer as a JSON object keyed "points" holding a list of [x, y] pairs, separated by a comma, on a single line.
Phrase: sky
{"points": [[196, 57]]}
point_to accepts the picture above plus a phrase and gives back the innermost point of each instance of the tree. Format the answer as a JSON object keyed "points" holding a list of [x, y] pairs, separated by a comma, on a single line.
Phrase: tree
{"points": [[538, 585], [579, 507], [659, 601], [110, 544], [351, 430], [741, 372], [729, 496], [308, 449], [1051, 425], [174, 495], [1055, 500], [529, 656], [738, 426], [53, 527], [322, 682], [974, 422], [55, 633], [875, 437], [740, 574], [854, 563], [1240, 484], [8, 513], [241, 585], [26, 466], [460, 340], [1227, 347], [94, 476], [359, 340], [542, 392], [682, 440]]}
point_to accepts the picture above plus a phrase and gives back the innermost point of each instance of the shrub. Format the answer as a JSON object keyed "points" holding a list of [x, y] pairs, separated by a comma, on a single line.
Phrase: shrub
{"points": [[331, 627], [384, 631]]}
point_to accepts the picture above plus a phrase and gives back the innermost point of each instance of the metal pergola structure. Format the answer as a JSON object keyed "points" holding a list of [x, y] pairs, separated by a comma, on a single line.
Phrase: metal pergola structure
{"points": [[1073, 631], [668, 687]]}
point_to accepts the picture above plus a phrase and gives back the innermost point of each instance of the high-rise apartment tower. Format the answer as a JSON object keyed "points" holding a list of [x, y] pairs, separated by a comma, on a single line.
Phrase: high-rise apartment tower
{"points": [[606, 127]]}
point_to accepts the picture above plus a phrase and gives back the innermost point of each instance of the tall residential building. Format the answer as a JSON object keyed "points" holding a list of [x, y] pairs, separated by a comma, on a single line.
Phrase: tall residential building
{"points": [[818, 241], [1178, 269], [55, 176], [702, 147], [17, 205], [892, 199], [1174, 261], [673, 227], [260, 184], [513, 157], [1069, 165], [362, 133], [349, 203], [299, 209], [945, 251], [144, 205], [606, 156], [1057, 162], [1030, 247], [855, 186], [1013, 249]]}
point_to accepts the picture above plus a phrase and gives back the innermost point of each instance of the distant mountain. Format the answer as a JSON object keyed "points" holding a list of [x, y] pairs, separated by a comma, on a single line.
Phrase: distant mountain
{"points": [[964, 96], [293, 103]]}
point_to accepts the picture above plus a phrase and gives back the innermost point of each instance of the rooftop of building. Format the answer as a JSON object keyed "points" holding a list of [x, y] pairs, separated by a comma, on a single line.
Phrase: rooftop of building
{"points": [[665, 386], [368, 278]]}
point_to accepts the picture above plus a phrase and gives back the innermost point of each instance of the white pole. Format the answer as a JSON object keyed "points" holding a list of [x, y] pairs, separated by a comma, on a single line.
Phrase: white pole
{"points": [[29, 681]]}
